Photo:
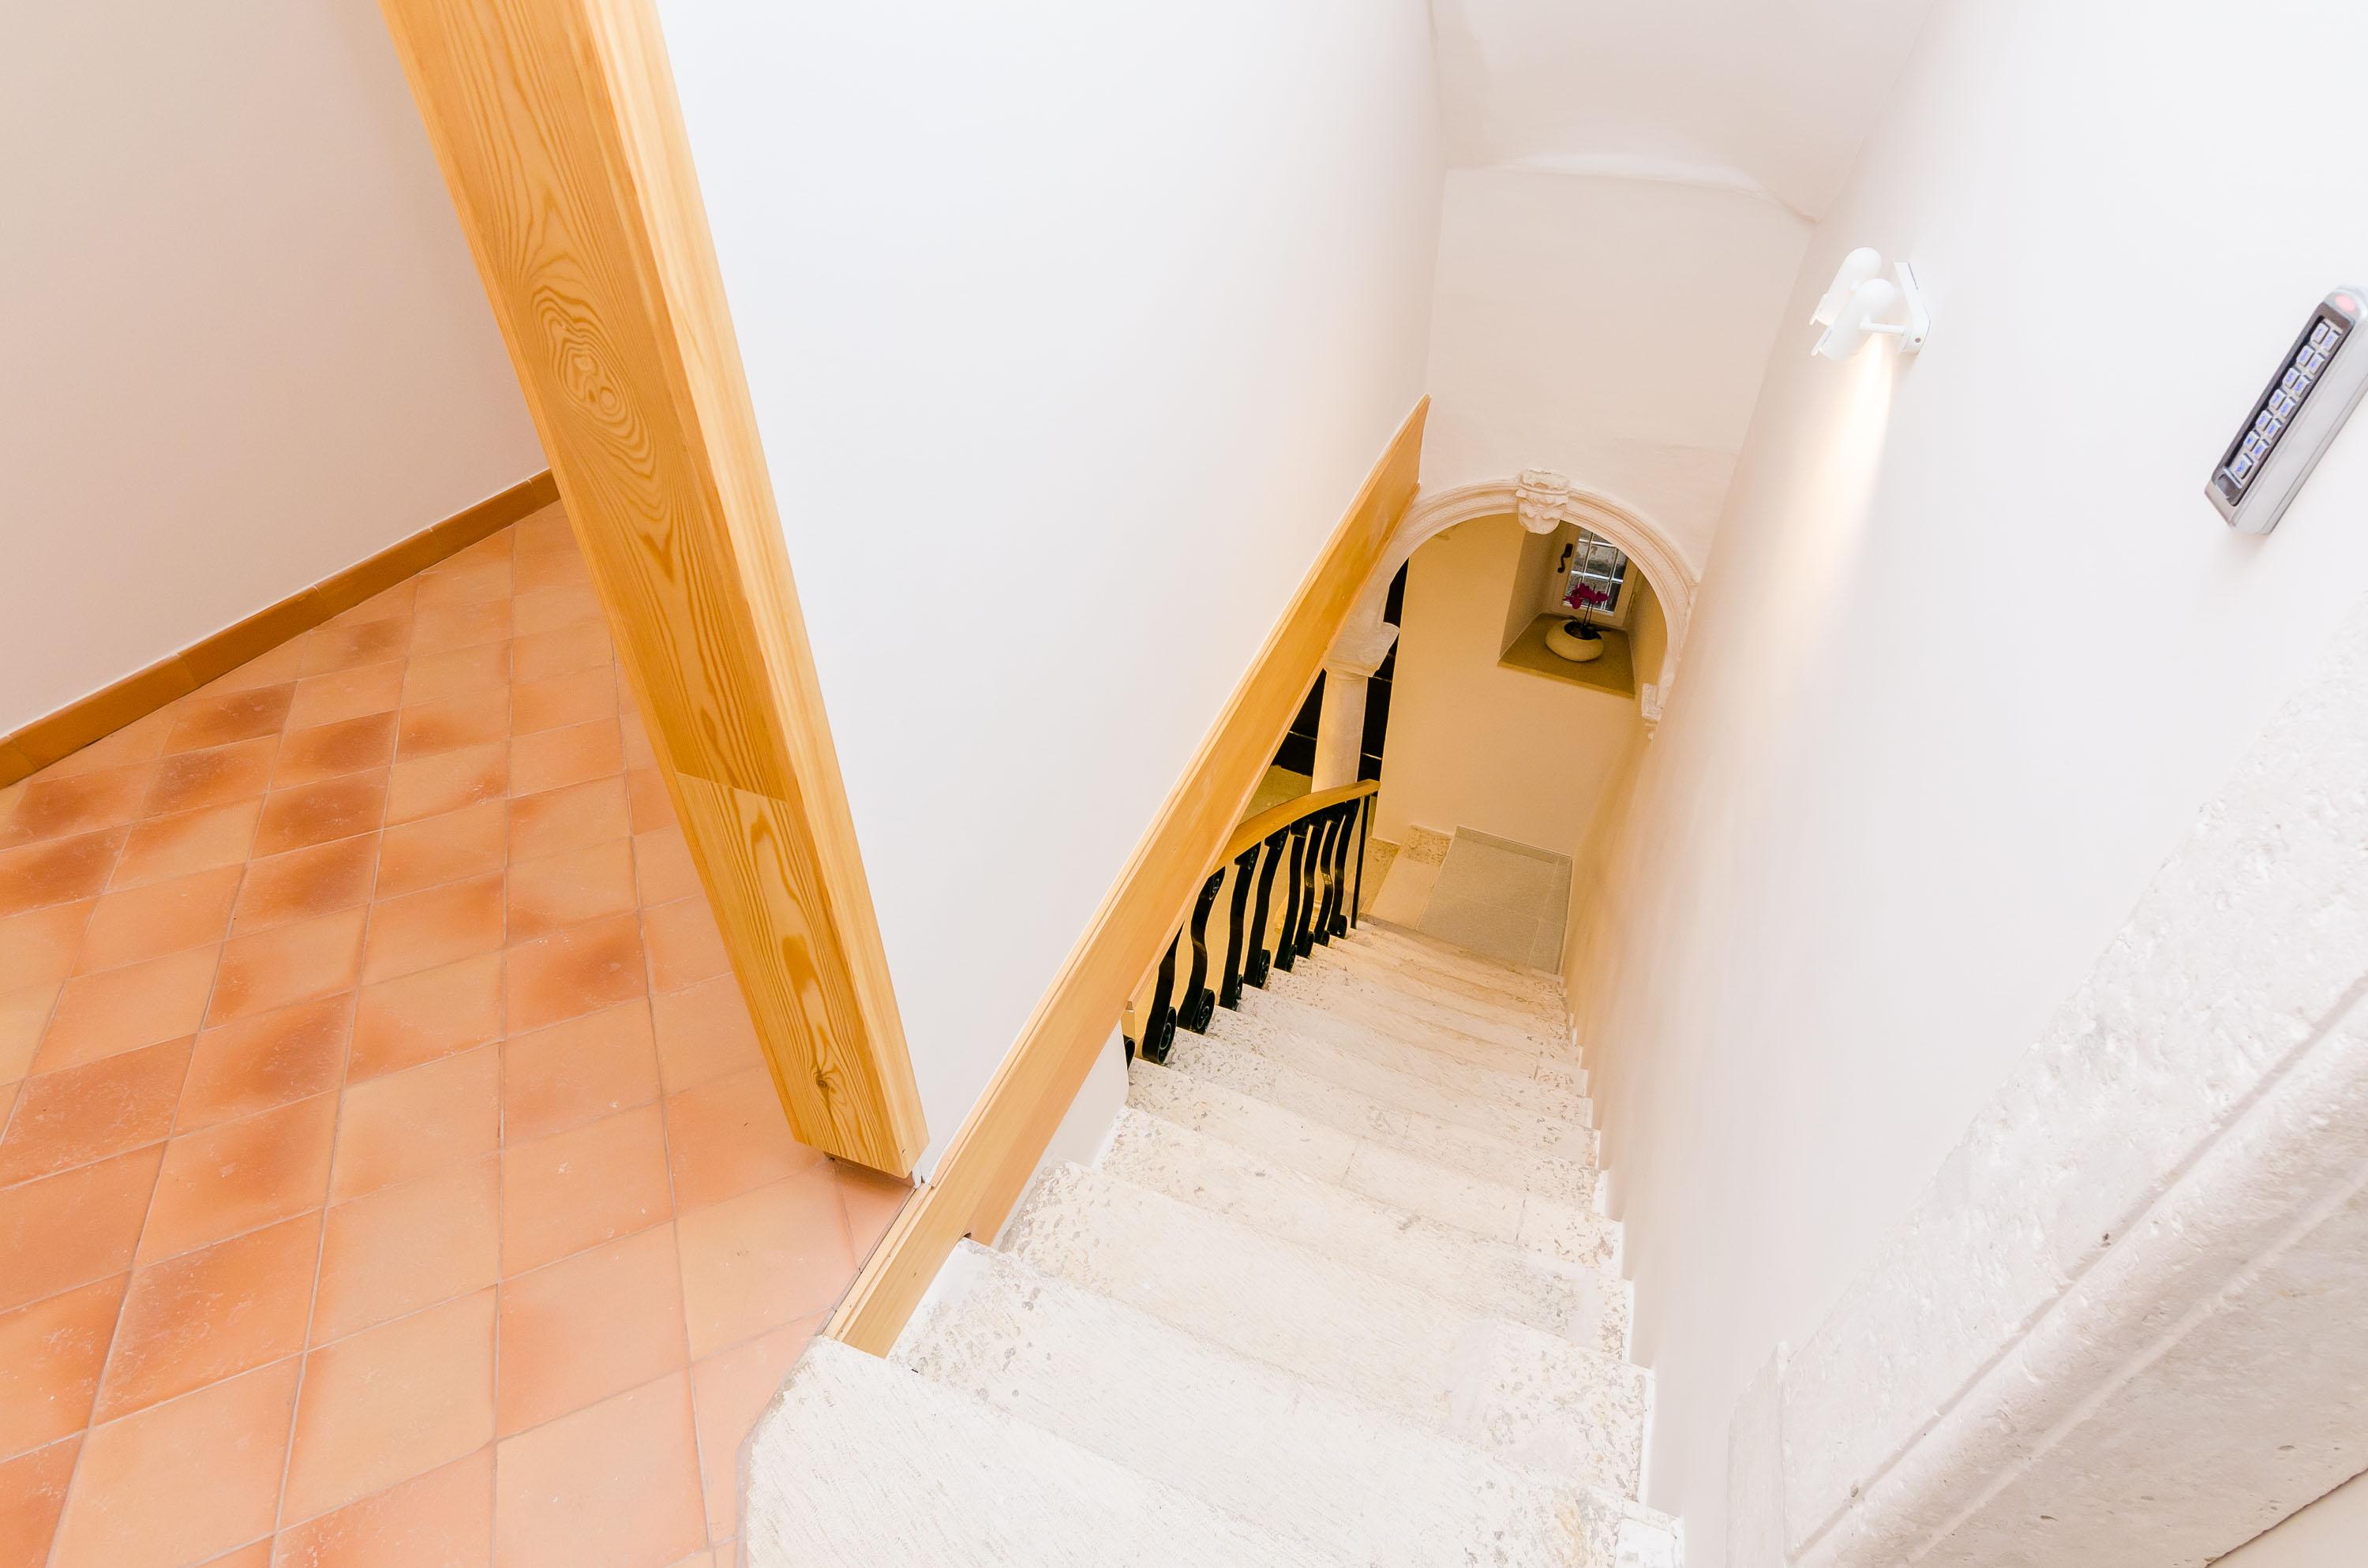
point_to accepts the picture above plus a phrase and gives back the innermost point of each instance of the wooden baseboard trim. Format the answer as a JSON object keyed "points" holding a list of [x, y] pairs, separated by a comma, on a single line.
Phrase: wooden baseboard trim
{"points": [[61, 735], [997, 1146]]}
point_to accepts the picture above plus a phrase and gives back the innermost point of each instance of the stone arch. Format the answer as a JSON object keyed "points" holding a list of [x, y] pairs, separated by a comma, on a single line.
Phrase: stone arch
{"points": [[1542, 501]]}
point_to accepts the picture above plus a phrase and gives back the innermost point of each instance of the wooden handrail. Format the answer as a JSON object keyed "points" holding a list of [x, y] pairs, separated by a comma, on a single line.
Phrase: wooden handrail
{"points": [[995, 1150], [1274, 819]]}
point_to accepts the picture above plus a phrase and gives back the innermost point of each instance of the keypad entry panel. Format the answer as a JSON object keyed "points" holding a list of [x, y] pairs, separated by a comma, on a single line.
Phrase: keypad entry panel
{"points": [[2315, 388]]}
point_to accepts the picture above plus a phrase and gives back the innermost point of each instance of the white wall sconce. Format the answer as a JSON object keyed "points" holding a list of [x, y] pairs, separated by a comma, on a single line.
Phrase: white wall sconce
{"points": [[1861, 297]]}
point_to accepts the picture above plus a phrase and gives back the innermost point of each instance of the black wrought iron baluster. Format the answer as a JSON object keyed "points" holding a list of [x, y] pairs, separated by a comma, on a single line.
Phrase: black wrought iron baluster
{"points": [[1200, 1002], [1328, 882], [1159, 1024], [1229, 990], [1260, 959], [1306, 942], [1357, 892], [1340, 873], [1286, 947]]}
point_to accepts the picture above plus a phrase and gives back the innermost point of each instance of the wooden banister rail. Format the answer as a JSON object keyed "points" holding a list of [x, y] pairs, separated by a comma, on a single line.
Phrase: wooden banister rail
{"points": [[991, 1156]]}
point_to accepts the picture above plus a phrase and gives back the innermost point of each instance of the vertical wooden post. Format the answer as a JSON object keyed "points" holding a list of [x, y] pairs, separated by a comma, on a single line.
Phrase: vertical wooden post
{"points": [[561, 139]]}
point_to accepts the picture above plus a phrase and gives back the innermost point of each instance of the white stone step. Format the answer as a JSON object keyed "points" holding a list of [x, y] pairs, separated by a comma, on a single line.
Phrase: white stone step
{"points": [[860, 1463], [1332, 1019], [1587, 1305], [1347, 966], [1411, 1076], [1570, 1230], [1248, 1439], [1395, 1011], [1530, 1166], [1530, 1398], [1405, 945]]}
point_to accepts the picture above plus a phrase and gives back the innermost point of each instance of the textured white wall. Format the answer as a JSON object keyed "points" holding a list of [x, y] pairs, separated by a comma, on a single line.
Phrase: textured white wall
{"points": [[1612, 330], [1971, 650], [1072, 330], [246, 348]]}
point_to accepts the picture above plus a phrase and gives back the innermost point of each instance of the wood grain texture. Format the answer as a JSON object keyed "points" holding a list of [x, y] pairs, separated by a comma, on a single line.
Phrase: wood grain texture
{"points": [[996, 1148], [61, 735], [556, 125]]}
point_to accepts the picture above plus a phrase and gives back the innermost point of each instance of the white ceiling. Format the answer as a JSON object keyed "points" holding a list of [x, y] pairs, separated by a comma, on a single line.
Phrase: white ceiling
{"points": [[1772, 95]]}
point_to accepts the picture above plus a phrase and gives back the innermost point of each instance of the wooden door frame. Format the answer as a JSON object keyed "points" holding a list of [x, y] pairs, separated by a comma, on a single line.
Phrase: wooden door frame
{"points": [[560, 140]]}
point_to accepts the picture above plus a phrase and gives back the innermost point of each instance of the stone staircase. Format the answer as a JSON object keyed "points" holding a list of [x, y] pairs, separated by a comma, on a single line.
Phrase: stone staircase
{"points": [[1337, 1293]]}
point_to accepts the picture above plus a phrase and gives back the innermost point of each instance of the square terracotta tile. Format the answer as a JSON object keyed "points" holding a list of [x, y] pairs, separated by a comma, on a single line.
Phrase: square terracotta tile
{"points": [[422, 1016], [728, 1136], [704, 1032], [345, 645], [441, 1519], [50, 1354], [639, 752], [280, 666], [123, 1009], [578, 1071], [32, 1493], [615, 1485], [728, 1391], [163, 917], [685, 946], [401, 1248], [74, 1227], [439, 926], [580, 697], [182, 1481], [430, 786], [463, 584], [391, 1402], [272, 968], [217, 718], [542, 654], [91, 1112], [653, 808], [58, 870], [316, 814], [418, 1122], [163, 847], [569, 889], [241, 1175], [38, 948], [552, 759], [764, 1259], [578, 1188], [347, 694], [662, 871], [606, 1319], [441, 628], [546, 609], [304, 885], [470, 842], [24, 1014], [196, 781], [872, 1200], [480, 667], [210, 1314], [63, 808], [448, 723], [266, 1060], [574, 972], [332, 751], [575, 817]]}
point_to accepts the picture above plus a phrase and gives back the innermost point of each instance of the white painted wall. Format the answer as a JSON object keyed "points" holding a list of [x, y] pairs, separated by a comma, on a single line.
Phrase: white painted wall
{"points": [[1970, 651], [1082, 323], [1612, 330], [246, 348]]}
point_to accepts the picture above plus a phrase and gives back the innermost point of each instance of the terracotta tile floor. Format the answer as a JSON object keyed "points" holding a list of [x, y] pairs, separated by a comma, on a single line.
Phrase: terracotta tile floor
{"points": [[390, 1176]]}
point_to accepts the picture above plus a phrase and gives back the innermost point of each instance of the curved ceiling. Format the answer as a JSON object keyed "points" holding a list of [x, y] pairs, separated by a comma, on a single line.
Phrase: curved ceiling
{"points": [[1766, 95]]}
